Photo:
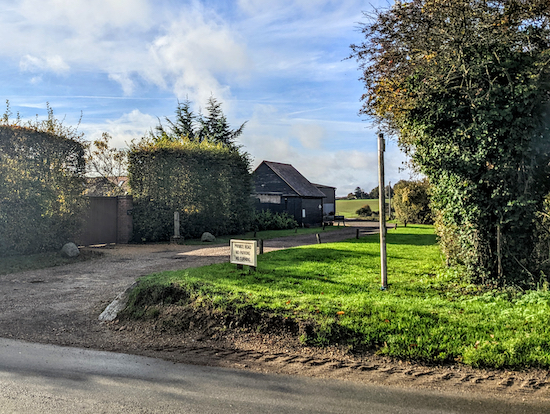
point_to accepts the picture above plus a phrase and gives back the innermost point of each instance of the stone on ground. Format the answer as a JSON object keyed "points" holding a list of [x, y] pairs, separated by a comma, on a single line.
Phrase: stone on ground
{"points": [[207, 237], [70, 250]]}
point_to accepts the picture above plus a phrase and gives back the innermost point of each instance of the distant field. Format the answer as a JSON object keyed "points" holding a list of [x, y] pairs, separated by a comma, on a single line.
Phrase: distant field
{"points": [[347, 208]]}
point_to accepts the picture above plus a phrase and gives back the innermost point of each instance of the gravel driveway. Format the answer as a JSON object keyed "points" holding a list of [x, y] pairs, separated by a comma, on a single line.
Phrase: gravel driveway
{"points": [[61, 304]]}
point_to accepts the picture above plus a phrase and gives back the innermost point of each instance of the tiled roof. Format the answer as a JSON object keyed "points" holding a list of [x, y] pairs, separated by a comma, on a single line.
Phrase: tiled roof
{"points": [[294, 179]]}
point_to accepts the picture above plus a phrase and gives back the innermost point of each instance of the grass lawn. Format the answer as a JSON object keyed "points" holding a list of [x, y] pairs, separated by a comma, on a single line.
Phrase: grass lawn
{"points": [[428, 313], [347, 208]]}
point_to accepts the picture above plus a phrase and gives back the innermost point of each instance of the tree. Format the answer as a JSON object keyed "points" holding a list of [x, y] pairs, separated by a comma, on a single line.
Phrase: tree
{"points": [[106, 166], [359, 193], [375, 193], [411, 202], [215, 126], [212, 126], [183, 126], [465, 87]]}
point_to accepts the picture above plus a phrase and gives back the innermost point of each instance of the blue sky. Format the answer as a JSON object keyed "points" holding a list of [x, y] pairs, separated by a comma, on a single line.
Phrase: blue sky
{"points": [[278, 64]]}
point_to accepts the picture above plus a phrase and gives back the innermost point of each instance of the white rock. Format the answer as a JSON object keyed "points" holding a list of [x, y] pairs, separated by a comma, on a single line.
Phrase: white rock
{"points": [[111, 312], [70, 250], [207, 237]]}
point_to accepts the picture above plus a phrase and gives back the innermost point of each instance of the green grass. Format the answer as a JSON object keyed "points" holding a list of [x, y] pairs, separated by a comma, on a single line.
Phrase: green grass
{"points": [[266, 234], [428, 313], [347, 208], [14, 264]]}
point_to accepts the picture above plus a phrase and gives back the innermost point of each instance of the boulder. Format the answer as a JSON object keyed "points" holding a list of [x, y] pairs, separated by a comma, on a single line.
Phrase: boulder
{"points": [[207, 237], [70, 250]]}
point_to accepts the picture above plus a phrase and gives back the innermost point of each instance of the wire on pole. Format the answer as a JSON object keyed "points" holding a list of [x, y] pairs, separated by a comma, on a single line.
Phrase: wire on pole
{"points": [[382, 211]]}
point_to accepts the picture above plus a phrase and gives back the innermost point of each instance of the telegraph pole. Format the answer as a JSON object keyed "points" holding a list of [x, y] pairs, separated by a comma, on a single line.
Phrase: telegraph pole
{"points": [[382, 211]]}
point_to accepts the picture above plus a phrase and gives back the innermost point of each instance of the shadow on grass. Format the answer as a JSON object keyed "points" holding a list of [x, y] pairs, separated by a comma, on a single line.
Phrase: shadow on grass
{"points": [[411, 239]]}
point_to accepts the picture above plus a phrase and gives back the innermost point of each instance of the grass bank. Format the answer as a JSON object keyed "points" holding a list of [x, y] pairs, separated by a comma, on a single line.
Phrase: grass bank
{"points": [[428, 314]]}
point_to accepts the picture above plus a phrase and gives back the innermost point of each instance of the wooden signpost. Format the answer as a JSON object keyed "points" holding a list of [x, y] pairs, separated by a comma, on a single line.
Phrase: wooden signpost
{"points": [[244, 252]]}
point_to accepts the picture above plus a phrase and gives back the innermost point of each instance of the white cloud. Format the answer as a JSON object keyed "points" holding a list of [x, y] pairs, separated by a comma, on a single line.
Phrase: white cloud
{"points": [[194, 53], [35, 80], [130, 126], [309, 135], [54, 64], [125, 82], [183, 47]]}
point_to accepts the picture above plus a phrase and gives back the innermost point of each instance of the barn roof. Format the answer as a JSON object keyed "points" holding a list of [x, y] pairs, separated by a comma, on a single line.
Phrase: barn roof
{"points": [[294, 179], [323, 186]]}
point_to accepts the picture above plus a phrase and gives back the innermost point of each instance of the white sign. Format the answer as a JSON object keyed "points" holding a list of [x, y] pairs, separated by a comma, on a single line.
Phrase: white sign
{"points": [[243, 252]]}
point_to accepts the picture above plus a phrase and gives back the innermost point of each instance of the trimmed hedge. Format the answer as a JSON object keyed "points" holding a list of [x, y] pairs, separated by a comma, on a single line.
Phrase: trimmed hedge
{"points": [[41, 185], [209, 184]]}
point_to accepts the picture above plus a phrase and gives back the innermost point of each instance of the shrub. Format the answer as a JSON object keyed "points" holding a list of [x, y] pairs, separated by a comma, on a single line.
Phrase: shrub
{"points": [[267, 220], [364, 211]]}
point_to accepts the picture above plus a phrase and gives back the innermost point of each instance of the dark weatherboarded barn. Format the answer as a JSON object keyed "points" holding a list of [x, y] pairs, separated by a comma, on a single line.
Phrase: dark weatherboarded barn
{"points": [[329, 203], [280, 187]]}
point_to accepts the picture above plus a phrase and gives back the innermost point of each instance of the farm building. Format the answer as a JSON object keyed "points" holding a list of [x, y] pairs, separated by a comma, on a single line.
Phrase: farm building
{"points": [[281, 188], [329, 202]]}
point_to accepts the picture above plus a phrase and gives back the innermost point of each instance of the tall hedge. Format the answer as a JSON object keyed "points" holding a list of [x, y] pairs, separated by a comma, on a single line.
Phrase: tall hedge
{"points": [[209, 184], [41, 185]]}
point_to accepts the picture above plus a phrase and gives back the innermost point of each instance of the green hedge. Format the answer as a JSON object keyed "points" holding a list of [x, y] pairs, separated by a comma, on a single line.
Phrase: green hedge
{"points": [[208, 184], [41, 185]]}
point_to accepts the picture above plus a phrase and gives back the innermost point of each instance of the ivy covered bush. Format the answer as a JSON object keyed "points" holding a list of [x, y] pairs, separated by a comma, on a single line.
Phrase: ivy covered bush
{"points": [[41, 184], [465, 87]]}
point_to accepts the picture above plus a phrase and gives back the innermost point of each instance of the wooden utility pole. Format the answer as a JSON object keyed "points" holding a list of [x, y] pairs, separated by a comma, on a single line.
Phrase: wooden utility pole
{"points": [[382, 211]]}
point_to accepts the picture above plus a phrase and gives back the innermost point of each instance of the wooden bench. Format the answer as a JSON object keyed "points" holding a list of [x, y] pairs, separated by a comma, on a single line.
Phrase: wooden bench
{"points": [[339, 219]]}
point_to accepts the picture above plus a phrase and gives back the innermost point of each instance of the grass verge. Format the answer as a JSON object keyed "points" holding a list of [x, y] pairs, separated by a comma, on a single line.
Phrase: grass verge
{"points": [[428, 314]]}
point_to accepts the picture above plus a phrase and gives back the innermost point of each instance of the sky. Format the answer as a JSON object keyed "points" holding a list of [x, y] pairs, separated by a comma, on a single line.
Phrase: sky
{"points": [[281, 66]]}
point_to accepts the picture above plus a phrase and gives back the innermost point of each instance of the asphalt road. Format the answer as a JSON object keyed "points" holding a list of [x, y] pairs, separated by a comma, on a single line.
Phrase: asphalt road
{"points": [[45, 379]]}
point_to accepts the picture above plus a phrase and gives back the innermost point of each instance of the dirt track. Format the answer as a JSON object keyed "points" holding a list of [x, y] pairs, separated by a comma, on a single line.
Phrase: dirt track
{"points": [[61, 305]]}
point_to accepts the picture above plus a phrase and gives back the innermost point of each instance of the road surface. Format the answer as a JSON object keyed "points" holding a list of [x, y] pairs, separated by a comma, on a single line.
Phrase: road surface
{"points": [[46, 379]]}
